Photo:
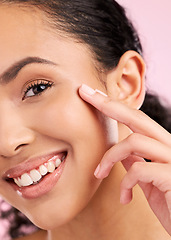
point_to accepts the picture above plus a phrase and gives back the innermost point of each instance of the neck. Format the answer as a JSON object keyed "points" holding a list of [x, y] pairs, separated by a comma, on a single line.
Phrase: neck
{"points": [[105, 218]]}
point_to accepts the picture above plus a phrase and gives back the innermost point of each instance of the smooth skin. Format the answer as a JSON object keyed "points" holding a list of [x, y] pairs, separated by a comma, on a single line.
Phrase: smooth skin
{"points": [[153, 178], [81, 205], [148, 140]]}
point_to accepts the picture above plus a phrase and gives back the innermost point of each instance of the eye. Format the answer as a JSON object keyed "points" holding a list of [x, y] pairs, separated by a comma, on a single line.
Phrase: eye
{"points": [[36, 88]]}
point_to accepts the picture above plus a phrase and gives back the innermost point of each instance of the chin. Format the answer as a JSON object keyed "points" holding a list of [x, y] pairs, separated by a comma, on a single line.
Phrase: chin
{"points": [[53, 220], [59, 212]]}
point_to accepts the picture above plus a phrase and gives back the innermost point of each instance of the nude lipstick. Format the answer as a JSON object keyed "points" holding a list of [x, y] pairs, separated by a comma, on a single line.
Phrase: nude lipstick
{"points": [[34, 180]]}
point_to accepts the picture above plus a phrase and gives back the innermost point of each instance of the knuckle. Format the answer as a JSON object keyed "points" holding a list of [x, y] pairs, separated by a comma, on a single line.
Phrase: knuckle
{"points": [[136, 167], [133, 139]]}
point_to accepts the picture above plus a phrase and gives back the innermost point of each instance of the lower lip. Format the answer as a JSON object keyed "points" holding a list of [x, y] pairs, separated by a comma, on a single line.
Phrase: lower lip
{"points": [[41, 188]]}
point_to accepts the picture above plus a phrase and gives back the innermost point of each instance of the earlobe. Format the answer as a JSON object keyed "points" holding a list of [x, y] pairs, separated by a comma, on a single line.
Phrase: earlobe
{"points": [[126, 82]]}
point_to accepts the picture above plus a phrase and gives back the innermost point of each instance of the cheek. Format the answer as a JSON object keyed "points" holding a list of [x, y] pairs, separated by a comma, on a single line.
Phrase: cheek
{"points": [[75, 125], [66, 119], [72, 122], [78, 126]]}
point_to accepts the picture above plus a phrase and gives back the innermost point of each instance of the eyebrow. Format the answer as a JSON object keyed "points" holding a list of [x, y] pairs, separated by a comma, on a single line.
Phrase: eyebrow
{"points": [[12, 72]]}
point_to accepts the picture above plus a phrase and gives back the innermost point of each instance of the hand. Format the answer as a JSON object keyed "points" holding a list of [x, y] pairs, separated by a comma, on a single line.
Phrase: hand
{"points": [[148, 140]]}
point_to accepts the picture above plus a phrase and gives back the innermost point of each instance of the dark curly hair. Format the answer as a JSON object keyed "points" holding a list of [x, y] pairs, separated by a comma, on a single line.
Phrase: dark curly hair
{"points": [[104, 27]]}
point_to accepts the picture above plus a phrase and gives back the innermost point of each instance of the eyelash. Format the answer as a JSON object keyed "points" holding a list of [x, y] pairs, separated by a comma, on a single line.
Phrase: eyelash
{"points": [[38, 83]]}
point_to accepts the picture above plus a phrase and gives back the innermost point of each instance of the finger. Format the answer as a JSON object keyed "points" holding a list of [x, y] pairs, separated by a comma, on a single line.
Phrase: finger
{"points": [[159, 175], [136, 120], [137, 145]]}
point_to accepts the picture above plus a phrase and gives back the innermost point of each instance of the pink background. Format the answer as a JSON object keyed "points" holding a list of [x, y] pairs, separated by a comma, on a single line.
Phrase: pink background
{"points": [[152, 19]]}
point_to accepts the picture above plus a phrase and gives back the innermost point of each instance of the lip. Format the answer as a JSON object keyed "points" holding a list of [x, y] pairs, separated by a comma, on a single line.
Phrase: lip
{"points": [[47, 182], [30, 164], [43, 187]]}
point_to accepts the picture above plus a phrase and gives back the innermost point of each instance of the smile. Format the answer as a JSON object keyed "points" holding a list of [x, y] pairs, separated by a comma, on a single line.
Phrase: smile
{"points": [[35, 175]]}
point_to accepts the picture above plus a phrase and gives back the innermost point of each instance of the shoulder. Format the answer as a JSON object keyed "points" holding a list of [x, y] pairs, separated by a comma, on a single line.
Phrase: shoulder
{"points": [[35, 236]]}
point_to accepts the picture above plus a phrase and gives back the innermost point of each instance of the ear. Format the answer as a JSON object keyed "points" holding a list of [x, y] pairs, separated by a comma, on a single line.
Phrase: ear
{"points": [[126, 82]]}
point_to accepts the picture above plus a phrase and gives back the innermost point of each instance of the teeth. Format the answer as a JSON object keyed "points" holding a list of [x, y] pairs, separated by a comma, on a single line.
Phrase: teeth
{"points": [[17, 182], [26, 180], [35, 175], [43, 170], [58, 162], [51, 167]]}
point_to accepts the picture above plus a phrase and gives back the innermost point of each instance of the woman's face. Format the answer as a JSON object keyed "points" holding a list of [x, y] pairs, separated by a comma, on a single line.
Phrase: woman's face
{"points": [[42, 117]]}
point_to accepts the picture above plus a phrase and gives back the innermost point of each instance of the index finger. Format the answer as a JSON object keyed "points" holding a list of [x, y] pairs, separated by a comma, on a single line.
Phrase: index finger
{"points": [[135, 119]]}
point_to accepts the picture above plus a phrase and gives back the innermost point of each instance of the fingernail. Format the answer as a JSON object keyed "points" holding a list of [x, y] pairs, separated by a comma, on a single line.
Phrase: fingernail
{"points": [[102, 93], [88, 90], [97, 170]]}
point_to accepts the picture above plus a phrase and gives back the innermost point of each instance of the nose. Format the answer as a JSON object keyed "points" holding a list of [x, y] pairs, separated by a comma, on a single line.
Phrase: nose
{"points": [[14, 135]]}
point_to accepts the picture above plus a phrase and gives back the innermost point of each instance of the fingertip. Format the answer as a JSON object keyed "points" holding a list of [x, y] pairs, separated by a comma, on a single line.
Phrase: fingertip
{"points": [[126, 196], [102, 93], [86, 90], [90, 91], [97, 171], [101, 173]]}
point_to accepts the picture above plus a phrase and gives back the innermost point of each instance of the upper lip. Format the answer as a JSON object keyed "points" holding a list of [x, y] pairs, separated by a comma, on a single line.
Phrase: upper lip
{"points": [[30, 164]]}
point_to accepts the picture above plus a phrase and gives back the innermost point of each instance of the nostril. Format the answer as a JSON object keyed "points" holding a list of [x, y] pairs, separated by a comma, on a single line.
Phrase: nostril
{"points": [[13, 151], [12, 142], [19, 146]]}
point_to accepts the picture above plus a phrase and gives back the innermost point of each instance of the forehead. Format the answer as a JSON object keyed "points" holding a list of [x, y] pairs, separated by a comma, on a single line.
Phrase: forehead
{"points": [[21, 29], [26, 22], [18, 14], [29, 25], [25, 33]]}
